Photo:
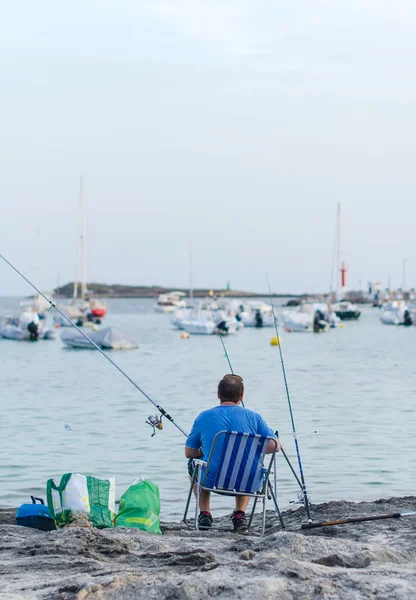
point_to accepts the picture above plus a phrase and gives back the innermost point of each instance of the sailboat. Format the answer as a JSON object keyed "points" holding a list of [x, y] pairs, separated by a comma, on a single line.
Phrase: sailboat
{"points": [[82, 305]]}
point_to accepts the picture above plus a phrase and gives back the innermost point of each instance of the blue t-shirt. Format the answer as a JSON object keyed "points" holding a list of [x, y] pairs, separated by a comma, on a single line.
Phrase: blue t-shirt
{"points": [[224, 418]]}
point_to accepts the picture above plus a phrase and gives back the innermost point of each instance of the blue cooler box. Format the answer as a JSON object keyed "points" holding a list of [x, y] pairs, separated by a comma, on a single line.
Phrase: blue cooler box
{"points": [[35, 515]]}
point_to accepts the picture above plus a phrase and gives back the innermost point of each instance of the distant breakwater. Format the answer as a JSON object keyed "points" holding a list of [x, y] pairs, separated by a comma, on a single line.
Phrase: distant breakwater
{"points": [[131, 291]]}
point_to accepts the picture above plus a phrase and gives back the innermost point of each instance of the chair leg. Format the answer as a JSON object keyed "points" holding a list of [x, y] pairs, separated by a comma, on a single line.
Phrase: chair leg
{"points": [[189, 498], [263, 517], [279, 514], [198, 493], [252, 514]]}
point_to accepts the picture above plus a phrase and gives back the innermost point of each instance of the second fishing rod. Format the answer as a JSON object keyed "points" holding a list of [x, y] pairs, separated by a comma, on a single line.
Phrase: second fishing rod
{"points": [[305, 497], [227, 356]]}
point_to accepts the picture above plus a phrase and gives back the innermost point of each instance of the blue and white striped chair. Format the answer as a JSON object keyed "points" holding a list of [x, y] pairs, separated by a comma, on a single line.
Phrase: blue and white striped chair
{"points": [[240, 471]]}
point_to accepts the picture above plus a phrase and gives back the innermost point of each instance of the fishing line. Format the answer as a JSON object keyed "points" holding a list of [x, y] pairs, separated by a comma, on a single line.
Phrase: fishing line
{"points": [[305, 493], [63, 315], [225, 349]]}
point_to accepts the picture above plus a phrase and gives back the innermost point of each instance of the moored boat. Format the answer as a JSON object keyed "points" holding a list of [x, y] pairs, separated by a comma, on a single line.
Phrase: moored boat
{"points": [[107, 339], [255, 314], [308, 317], [167, 303], [396, 312], [346, 311], [209, 317], [25, 326], [97, 307]]}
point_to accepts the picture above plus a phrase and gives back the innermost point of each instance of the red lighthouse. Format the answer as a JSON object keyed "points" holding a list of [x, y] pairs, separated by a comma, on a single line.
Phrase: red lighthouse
{"points": [[343, 275]]}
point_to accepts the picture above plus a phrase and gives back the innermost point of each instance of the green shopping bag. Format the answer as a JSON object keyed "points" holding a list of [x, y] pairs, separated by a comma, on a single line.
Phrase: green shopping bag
{"points": [[80, 497], [140, 507]]}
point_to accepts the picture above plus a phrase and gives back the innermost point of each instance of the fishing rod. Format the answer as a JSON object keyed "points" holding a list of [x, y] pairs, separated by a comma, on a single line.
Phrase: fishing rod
{"points": [[222, 342], [154, 420], [302, 478], [313, 525]]}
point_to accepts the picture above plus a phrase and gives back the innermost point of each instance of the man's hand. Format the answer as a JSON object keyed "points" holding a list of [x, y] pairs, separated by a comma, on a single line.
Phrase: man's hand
{"points": [[192, 452]]}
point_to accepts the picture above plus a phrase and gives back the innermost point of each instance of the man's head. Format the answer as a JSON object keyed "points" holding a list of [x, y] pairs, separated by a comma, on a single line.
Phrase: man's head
{"points": [[231, 389]]}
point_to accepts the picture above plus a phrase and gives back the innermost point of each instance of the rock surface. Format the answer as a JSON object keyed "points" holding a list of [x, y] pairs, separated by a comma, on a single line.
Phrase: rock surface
{"points": [[373, 560]]}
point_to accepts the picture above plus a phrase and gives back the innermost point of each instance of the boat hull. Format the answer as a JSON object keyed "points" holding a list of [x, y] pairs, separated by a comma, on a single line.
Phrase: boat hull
{"points": [[199, 327], [250, 321], [12, 332], [348, 315], [106, 339]]}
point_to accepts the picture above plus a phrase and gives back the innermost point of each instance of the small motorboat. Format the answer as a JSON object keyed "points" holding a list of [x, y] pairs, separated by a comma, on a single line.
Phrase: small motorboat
{"points": [[396, 312], [209, 318], [107, 339], [255, 314], [97, 308], [25, 326], [308, 317], [200, 326], [167, 303], [346, 311]]}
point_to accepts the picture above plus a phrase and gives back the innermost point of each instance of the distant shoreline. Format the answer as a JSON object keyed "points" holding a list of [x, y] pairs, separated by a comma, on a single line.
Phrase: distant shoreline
{"points": [[100, 290]]}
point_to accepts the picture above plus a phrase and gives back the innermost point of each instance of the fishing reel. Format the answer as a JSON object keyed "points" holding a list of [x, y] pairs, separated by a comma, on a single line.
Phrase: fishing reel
{"points": [[155, 422], [301, 500]]}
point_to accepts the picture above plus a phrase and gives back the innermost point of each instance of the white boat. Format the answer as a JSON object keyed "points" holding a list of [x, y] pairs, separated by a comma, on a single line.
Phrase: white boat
{"points": [[396, 312], [72, 311], [107, 339], [307, 317], [200, 326], [255, 314], [167, 303], [210, 316], [25, 326], [181, 315]]}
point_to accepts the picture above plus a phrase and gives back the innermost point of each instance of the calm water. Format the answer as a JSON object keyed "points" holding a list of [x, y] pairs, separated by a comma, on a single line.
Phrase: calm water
{"points": [[355, 386]]}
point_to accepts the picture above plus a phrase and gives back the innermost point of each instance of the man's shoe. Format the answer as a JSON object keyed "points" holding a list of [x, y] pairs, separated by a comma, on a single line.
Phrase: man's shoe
{"points": [[204, 520], [239, 521]]}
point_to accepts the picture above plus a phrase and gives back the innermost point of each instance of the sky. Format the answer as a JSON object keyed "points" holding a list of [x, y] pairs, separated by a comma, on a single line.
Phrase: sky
{"points": [[231, 127]]}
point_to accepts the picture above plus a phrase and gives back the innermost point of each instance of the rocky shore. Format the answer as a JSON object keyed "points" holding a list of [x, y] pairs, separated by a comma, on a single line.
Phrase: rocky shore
{"points": [[373, 560]]}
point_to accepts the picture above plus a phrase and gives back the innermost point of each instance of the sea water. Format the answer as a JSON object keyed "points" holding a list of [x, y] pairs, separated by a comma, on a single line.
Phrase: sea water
{"points": [[353, 393]]}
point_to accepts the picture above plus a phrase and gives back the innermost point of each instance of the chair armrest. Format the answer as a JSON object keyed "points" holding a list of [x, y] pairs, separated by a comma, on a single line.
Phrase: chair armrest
{"points": [[199, 463]]}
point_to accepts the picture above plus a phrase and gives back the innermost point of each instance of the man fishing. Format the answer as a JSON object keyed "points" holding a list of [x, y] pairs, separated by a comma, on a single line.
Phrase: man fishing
{"points": [[229, 415]]}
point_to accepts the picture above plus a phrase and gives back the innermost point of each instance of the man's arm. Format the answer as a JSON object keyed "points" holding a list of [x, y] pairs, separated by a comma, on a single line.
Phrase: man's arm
{"points": [[194, 442], [266, 431], [192, 452], [271, 446]]}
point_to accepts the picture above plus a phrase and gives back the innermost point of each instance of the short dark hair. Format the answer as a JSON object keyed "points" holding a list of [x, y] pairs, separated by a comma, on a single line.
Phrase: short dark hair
{"points": [[230, 388]]}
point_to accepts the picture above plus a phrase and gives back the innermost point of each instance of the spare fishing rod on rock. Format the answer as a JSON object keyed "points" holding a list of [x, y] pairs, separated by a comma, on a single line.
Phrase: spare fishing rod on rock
{"points": [[302, 478], [313, 525], [154, 420]]}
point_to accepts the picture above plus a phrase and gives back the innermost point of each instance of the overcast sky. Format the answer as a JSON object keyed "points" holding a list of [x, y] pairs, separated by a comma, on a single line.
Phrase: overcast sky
{"points": [[231, 125]]}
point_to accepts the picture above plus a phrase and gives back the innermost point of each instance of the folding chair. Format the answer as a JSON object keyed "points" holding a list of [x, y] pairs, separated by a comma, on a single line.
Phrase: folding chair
{"points": [[240, 472]]}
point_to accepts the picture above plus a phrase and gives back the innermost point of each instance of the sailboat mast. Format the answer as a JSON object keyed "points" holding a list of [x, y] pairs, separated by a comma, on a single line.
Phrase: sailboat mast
{"points": [[83, 241], [338, 278], [36, 295], [77, 254], [191, 288]]}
